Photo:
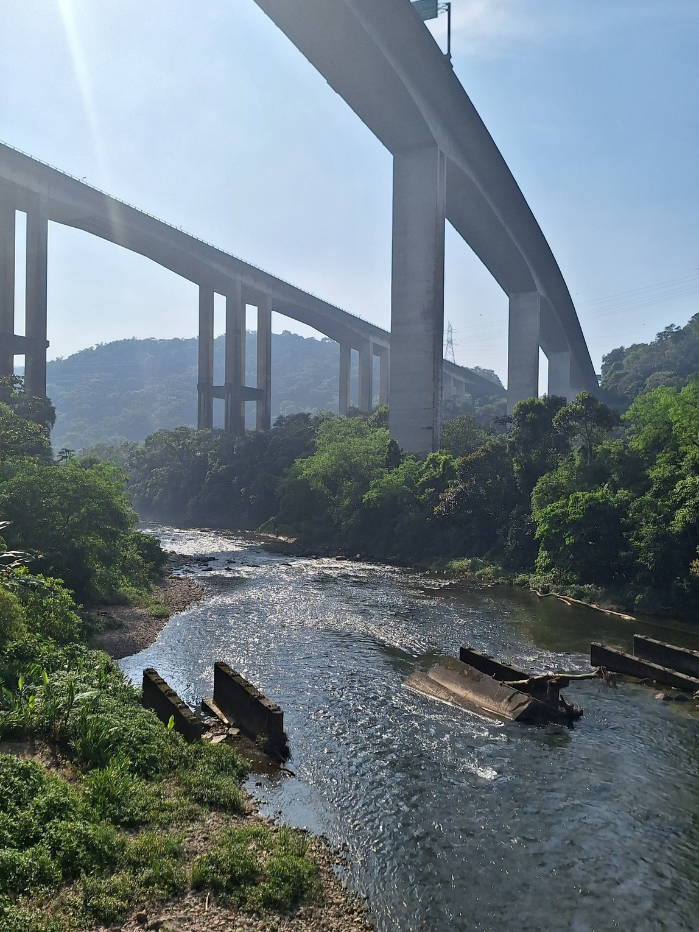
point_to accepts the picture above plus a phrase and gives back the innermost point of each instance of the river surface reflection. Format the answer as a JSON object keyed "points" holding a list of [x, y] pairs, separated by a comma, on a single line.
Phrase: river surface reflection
{"points": [[450, 821]]}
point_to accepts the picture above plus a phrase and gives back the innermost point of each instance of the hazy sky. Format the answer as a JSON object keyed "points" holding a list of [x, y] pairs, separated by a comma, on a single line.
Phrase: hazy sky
{"points": [[204, 114]]}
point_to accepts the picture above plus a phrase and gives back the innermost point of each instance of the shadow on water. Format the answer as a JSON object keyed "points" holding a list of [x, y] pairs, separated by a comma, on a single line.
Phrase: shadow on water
{"points": [[450, 821], [554, 625]]}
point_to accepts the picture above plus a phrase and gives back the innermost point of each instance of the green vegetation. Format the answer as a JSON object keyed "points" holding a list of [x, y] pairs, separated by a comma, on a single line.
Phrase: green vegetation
{"points": [[573, 498], [671, 360], [254, 867], [92, 822], [129, 389]]}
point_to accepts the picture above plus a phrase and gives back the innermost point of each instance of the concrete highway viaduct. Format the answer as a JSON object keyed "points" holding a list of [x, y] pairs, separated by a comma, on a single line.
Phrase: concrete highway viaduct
{"points": [[45, 193], [382, 60]]}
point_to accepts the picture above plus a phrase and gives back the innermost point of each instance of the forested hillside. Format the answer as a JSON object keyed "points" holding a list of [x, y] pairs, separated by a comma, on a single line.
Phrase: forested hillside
{"points": [[126, 390], [671, 359]]}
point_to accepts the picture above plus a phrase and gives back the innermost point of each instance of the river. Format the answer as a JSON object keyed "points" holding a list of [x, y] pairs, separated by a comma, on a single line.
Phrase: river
{"points": [[450, 821]]}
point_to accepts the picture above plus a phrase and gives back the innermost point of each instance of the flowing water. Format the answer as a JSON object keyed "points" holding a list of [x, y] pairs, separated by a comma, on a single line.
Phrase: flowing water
{"points": [[450, 821]]}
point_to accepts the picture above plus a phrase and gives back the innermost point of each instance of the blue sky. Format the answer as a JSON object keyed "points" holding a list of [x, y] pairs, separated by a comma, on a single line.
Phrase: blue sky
{"points": [[202, 113]]}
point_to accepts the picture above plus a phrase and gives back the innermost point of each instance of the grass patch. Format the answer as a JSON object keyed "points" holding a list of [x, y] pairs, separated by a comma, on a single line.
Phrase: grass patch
{"points": [[212, 777], [255, 867]]}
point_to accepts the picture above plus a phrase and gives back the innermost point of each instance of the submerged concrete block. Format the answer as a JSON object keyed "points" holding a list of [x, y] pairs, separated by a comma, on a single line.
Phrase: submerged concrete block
{"points": [[667, 655], [252, 712], [619, 662], [166, 704]]}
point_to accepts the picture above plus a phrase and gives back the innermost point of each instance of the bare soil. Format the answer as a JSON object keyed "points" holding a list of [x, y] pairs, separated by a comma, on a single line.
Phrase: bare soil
{"points": [[128, 629]]}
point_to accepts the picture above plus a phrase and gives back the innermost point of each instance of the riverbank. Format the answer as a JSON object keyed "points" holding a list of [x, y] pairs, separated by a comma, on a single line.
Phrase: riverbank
{"points": [[329, 908], [469, 572], [124, 630]]}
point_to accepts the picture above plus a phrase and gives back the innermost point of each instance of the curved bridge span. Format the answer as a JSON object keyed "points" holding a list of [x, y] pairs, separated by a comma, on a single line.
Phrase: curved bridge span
{"points": [[45, 193], [379, 56]]}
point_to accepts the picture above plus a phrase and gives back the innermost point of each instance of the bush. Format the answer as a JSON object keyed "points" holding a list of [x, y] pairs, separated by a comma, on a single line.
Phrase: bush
{"points": [[212, 777], [12, 626], [80, 526], [49, 607]]}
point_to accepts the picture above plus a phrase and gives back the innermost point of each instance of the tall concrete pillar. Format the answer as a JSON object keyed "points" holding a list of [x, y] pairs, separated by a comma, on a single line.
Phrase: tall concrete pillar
{"points": [[383, 377], [577, 383], [366, 372], [263, 407], [345, 368], [205, 373], [559, 374], [36, 297], [7, 288], [523, 348], [417, 299], [234, 419]]}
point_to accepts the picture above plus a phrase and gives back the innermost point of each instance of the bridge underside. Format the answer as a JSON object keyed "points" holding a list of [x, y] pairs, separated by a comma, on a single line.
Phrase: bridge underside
{"points": [[383, 62], [46, 194]]}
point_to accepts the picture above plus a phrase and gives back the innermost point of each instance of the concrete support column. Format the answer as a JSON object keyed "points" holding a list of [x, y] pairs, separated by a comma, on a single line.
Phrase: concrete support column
{"points": [[234, 418], [345, 366], [263, 407], [417, 299], [577, 383], [523, 348], [205, 372], [383, 377], [36, 297], [559, 374], [365, 392], [7, 289]]}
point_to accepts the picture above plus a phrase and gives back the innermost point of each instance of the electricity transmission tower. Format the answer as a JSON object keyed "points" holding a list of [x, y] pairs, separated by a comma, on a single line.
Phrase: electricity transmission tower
{"points": [[449, 349]]}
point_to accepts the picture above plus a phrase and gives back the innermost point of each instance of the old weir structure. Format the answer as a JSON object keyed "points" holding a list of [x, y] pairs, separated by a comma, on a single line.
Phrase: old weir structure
{"points": [[47, 194], [381, 59]]}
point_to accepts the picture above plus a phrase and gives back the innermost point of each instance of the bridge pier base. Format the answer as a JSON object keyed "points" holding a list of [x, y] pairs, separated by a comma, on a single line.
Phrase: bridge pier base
{"points": [[365, 389], [577, 383], [559, 374], [523, 348], [263, 407], [417, 299], [7, 288], [234, 417], [383, 355], [36, 298], [345, 368], [205, 377]]}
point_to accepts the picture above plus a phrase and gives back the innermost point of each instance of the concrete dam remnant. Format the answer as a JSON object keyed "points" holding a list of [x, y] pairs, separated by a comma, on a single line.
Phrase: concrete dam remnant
{"points": [[255, 715], [166, 704]]}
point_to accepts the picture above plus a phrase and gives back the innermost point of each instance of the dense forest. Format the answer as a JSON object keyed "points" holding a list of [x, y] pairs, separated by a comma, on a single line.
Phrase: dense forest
{"points": [[96, 794], [671, 359], [126, 390], [595, 500], [572, 498]]}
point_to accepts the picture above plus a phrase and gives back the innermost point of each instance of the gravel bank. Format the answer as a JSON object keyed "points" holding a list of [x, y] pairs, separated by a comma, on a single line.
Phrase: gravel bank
{"points": [[129, 629]]}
